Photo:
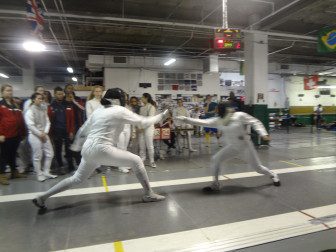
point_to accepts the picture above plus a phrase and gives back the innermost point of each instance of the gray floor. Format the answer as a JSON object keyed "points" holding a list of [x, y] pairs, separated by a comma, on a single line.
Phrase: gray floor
{"points": [[84, 220]]}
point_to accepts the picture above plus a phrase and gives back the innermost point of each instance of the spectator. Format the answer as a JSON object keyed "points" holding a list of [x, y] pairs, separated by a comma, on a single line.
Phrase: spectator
{"points": [[27, 103], [24, 150], [38, 125], [182, 111], [18, 102], [318, 116], [77, 105], [134, 104], [234, 103], [93, 101], [47, 101], [62, 129], [146, 135], [47, 97], [210, 109], [168, 123], [12, 130]]}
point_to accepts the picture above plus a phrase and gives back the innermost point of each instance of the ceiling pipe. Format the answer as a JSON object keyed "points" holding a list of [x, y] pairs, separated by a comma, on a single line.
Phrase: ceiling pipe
{"points": [[283, 49], [175, 8], [293, 43], [53, 34], [67, 32], [274, 13], [184, 43], [67, 25], [175, 24], [11, 62], [262, 1]]}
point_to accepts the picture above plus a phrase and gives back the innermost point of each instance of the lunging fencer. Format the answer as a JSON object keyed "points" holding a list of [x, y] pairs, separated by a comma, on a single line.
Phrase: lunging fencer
{"points": [[237, 141], [101, 134]]}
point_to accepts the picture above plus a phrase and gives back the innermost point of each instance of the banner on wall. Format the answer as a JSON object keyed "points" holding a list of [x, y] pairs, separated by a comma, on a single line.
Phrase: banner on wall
{"points": [[327, 40], [310, 82]]}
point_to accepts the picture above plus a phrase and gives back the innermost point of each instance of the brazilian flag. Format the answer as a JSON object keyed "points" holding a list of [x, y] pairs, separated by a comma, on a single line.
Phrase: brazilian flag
{"points": [[327, 40]]}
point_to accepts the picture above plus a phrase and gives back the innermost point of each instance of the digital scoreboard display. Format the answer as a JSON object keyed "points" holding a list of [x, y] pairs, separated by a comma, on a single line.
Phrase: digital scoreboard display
{"points": [[227, 39]]}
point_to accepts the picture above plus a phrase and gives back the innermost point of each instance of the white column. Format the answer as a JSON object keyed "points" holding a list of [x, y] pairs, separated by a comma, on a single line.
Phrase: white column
{"points": [[28, 77], [256, 68]]}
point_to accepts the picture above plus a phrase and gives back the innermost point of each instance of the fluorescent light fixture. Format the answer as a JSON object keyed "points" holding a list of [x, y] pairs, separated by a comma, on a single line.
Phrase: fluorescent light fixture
{"points": [[4, 76], [325, 73], [169, 62], [74, 79], [33, 46], [329, 87], [70, 69]]}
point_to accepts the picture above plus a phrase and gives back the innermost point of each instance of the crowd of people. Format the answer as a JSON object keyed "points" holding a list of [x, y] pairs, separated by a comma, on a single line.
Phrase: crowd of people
{"points": [[39, 131]]}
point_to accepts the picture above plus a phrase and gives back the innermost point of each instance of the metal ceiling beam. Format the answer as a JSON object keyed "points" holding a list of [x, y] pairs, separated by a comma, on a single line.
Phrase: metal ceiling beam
{"points": [[11, 62], [266, 2], [156, 22], [283, 14]]}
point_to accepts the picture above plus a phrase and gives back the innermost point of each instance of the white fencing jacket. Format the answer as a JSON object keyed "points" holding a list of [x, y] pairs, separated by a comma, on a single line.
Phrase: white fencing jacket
{"points": [[37, 120], [233, 126], [106, 124]]}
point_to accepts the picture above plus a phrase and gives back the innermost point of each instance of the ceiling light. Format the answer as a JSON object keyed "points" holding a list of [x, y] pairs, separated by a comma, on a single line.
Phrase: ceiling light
{"points": [[329, 87], [70, 69], [325, 73], [169, 62], [74, 79], [33, 46], [4, 76]]}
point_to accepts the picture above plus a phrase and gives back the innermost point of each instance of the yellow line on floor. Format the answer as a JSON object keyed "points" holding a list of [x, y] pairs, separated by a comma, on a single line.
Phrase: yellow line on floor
{"points": [[118, 246], [291, 163], [105, 183]]}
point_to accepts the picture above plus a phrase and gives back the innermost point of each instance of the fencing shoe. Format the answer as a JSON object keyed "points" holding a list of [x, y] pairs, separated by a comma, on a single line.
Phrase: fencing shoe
{"points": [[38, 202], [153, 197], [276, 180], [215, 187]]}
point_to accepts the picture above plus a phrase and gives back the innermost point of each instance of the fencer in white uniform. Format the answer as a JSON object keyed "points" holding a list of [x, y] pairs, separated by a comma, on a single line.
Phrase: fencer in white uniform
{"points": [[180, 110], [101, 134], [24, 151], [38, 125], [237, 141], [146, 135]]}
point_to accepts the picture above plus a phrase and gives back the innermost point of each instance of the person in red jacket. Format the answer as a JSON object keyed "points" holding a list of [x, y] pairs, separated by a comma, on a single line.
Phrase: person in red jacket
{"points": [[12, 129]]}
